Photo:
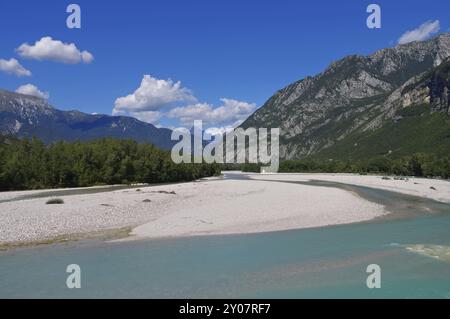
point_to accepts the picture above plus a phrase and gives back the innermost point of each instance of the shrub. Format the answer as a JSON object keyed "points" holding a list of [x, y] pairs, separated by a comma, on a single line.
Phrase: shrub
{"points": [[55, 201]]}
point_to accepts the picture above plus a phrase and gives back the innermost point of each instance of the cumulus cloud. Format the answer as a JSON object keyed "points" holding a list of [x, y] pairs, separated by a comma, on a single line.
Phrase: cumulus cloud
{"points": [[30, 89], [230, 114], [152, 95], [423, 32], [214, 131], [54, 50], [12, 66], [152, 117], [155, 99]]}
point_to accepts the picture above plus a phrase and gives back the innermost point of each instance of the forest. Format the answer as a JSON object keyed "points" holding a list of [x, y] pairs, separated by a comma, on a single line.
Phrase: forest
{"points": [[30, 164], [418, 165]]}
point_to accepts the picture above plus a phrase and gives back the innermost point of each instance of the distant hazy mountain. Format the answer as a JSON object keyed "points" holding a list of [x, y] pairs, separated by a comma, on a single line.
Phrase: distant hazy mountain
{"points": [[28, 116], [366, 105]]}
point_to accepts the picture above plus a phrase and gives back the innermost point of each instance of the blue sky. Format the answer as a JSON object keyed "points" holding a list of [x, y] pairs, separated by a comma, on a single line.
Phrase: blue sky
{"points": [[230, 56]]}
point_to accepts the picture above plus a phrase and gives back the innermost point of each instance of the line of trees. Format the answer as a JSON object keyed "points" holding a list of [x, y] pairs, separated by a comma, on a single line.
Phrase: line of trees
{"points": [[29, 164], [420, 165]]}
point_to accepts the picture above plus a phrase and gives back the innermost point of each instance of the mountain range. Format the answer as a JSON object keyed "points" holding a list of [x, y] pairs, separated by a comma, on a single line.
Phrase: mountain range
{"points": [[393, 102], [28, 116], [362, 106]]}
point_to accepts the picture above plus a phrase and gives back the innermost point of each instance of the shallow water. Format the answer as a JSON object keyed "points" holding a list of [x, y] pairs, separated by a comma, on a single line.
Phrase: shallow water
{"points": [[327, 262]]}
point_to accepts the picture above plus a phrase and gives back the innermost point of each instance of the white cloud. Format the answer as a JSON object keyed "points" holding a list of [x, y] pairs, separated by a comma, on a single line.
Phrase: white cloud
{"points": [[213, 131], [30, 89], [12, 66], [152, 95], [54, 50], [152, 117], [230, 114], [151, 100], [421, 33]]}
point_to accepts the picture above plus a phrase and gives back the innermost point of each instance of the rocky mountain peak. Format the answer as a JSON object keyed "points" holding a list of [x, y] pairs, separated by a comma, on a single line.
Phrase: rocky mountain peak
{"points": [[350, 95], [17, 101], [431, 88]]}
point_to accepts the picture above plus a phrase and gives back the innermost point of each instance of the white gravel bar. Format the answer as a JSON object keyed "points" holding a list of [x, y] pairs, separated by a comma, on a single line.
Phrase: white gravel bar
{"points": [[246, 206], [436, 189], [202, 208]]}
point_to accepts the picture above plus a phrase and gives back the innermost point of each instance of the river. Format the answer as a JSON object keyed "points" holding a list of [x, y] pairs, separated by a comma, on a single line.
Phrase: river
{"points": [[411, 246]]}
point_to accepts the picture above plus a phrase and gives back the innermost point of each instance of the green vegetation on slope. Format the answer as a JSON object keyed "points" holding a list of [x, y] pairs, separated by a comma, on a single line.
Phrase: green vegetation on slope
{"points": [[416, 130], [417, 143]]}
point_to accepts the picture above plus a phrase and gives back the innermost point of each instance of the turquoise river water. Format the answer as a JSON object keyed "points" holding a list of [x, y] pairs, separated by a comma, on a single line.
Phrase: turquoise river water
{"points": [[412, 247]]}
